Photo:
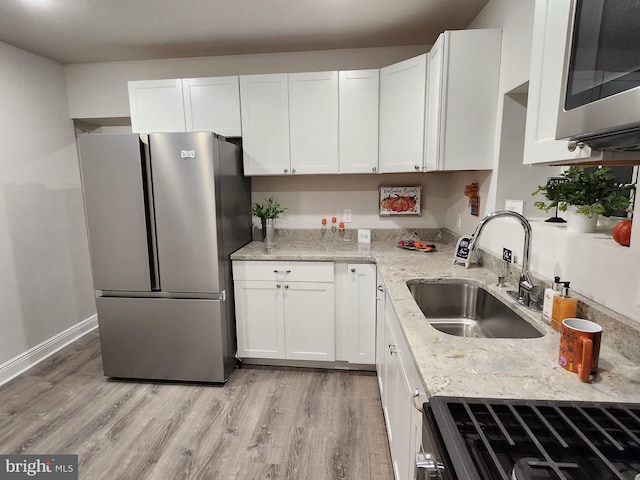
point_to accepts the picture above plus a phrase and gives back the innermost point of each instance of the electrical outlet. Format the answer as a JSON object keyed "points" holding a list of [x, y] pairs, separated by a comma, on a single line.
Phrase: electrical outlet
{"points": [[507, 256], [364, 235], [346, 217]]}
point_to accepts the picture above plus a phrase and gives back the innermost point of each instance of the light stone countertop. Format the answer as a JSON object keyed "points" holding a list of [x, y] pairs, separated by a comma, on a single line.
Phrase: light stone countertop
{"points": [[470, 367]]}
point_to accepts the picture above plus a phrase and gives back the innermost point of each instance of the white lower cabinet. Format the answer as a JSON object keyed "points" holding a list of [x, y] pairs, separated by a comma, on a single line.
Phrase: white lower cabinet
{"points": [[380, 333], [356, 313], [402, 394], [309, 321], [285, 310], [259, 319]]}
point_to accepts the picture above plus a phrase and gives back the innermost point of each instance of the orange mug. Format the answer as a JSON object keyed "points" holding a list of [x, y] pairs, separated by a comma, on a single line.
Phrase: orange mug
{"points": [[580, 346]]}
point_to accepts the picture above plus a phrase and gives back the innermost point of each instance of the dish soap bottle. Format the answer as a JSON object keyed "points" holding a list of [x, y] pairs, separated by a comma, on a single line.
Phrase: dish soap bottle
{"points": [[564, 306], [549, 293]]}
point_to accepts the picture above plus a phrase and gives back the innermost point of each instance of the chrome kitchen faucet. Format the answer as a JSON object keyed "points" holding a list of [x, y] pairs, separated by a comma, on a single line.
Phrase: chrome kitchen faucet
{"points": [[525, 285]]}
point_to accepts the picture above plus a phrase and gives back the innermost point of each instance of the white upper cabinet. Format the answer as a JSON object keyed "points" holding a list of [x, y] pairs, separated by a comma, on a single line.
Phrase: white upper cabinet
{"points": [[156, 106], [313, 122], [186, 105], [359, 93], [212, 105], [265, 124], [402, 107], [462, 100], [550, 36]]}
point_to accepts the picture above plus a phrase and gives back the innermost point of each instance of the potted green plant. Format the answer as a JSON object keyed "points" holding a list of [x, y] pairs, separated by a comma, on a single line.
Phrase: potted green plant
{"points": [[267, 212], [585, 194]]}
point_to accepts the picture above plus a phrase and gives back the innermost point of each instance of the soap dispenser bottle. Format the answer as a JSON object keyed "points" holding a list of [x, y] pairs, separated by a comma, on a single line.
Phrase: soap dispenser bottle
{"points": [[549, 293], [564, 306]]}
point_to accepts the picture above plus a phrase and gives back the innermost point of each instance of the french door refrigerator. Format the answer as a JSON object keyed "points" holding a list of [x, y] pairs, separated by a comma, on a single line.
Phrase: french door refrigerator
{"points": [[164, 213]]}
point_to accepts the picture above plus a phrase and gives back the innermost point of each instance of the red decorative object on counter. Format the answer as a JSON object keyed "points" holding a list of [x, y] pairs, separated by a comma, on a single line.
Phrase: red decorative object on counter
{"points": [[622, 233]]}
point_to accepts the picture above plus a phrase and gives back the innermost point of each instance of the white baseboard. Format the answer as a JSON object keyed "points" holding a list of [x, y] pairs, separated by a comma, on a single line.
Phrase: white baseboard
{"points": [[37, 354]]}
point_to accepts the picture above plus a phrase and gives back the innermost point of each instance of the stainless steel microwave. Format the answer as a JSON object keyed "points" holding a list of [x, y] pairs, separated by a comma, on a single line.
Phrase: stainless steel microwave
{"points": [[600, 98]]}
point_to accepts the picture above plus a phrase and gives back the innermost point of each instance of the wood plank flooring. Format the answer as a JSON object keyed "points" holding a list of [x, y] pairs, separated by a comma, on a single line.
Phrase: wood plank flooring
{"points": [[265, 423]]}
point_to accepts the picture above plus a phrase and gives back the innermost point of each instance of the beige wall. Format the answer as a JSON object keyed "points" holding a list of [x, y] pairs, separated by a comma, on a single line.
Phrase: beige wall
{"points": [[45, 286]]}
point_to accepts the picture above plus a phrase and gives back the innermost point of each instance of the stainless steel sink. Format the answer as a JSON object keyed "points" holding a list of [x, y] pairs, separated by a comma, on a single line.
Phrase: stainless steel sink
{"points": [[465, 309]]}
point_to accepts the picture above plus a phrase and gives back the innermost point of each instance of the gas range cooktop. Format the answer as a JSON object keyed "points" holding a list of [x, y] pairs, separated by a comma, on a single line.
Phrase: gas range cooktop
{"points": [[489, 439]]}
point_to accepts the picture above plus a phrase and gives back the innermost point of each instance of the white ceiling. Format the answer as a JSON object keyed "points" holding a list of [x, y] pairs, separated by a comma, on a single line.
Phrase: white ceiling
{"points": [[77, 31]]}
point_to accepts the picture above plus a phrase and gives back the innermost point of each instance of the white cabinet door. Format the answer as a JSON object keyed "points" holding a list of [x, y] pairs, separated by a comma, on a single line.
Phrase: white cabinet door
{"points": [[434, 105], [313, 122], [259, 319], [212, 105], [309, 310], [359, 95], [398, 407], [380, 335], [356, 313], [264, 104], [400, 404], [402, 107], [156, 106], [361, 316], [414, 395], [462, 99]]}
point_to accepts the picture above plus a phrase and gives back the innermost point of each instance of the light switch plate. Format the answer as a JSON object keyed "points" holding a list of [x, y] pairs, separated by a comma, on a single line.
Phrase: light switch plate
{"points": [[346, 217], [364, 235]]}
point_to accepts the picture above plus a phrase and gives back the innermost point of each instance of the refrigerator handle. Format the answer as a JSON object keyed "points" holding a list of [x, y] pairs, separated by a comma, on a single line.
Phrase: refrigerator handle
{"points": [[147, 177]]}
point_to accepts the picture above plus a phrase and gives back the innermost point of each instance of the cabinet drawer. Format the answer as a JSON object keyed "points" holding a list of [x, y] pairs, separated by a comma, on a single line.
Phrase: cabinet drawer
{"points": [[284, 271]]}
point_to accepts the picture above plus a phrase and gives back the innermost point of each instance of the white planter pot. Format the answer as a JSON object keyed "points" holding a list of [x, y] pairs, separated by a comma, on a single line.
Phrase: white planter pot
{"points": [[577, 222]]}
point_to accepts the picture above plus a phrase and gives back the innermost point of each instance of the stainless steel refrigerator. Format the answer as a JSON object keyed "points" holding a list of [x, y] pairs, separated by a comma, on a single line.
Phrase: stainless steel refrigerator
{"points": [[164, 213]]}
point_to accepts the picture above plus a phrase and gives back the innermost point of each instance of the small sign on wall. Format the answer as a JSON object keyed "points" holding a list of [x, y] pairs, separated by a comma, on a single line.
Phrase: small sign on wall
{"points": [[400, 200]]}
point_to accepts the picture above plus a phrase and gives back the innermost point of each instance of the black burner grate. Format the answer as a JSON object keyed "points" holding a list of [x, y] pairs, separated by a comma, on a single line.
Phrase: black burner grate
{"points": [[487, 438]]}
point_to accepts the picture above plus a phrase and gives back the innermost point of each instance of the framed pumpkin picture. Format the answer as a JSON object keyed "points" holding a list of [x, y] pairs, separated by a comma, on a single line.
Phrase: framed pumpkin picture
{"points": [[400, 200]]}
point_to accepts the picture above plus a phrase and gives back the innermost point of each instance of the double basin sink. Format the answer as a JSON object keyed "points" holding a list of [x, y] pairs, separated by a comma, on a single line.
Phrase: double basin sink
{"points": [[466, 309]]}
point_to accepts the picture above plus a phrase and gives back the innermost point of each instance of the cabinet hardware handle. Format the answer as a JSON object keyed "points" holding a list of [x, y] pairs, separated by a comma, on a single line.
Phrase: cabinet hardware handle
{"points": [[286, 170], [353, 270], [293, 170], [374, 168], [392, 349], [417, 167], [282, 271], [571, 146], [286, 286], [278, 285], [380, 289], [415, 395]]}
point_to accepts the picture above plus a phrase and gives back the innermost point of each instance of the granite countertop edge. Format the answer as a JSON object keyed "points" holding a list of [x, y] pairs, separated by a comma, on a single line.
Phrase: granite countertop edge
{"points": [[469, 367]]}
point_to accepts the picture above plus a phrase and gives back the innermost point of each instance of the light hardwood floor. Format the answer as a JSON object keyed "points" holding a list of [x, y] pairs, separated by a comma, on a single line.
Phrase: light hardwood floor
{"points": [[265, 423]]}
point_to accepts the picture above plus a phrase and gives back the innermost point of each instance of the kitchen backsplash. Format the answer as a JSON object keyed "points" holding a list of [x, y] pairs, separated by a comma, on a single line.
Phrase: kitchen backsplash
{"points": [[436, 235]]}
